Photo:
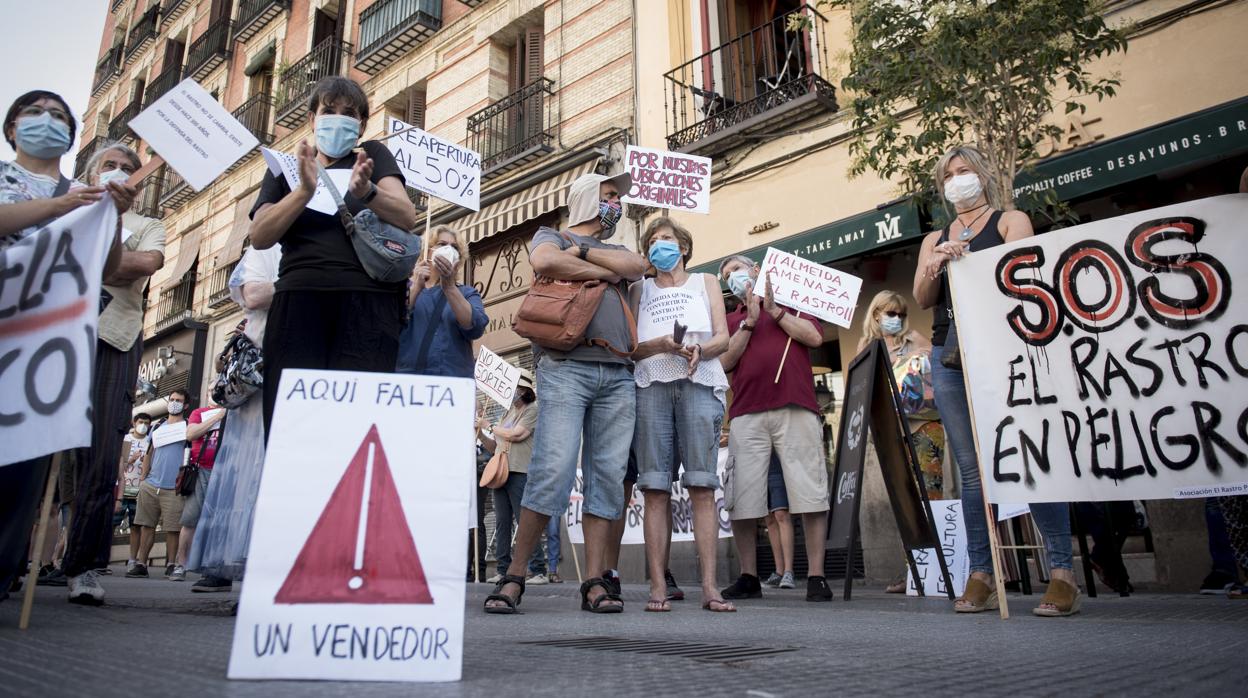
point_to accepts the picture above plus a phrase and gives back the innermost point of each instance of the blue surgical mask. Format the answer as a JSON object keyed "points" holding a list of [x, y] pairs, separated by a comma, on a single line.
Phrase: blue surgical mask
{"points": [[336, 134], [664, 255], [107, 176], [739, 282], [891, 325], [42, 136], [609, 214]]}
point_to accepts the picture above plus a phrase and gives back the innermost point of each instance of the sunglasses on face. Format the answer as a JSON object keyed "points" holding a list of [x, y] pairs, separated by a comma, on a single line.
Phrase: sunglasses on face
{"points": [[894, 313]]}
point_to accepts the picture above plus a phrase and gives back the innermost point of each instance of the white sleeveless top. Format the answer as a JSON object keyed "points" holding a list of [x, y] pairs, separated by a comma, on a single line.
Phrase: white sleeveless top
{"points": [[656, 310]]}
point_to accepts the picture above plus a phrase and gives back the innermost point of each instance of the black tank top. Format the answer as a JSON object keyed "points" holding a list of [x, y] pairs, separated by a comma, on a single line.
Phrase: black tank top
{"points": [[990, 236]]}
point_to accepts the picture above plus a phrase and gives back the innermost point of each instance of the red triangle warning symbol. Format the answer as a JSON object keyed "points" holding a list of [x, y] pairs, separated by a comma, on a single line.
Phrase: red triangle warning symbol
{"points": [[361, 550]]}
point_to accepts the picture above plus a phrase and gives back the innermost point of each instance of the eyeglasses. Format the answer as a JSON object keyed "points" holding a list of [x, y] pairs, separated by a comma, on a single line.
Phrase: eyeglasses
{"points": [[894, 313], [36, 110]]}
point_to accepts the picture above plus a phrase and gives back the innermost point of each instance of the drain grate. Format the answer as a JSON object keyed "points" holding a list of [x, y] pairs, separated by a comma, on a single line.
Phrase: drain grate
{"points": [[689, 650]]}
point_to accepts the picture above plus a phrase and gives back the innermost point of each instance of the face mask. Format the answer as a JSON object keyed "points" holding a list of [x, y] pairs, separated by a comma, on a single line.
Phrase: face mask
{"points": [[609, 214], [739, 282], [42, 136], [113, 176], [963, 188], [141, 429], [176, 407], [664, 255], [336, 134], [449, 253], [890, 325]]}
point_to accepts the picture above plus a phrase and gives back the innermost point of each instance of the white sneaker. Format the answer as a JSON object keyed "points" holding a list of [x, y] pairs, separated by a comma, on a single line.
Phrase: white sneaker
{"points": [[85, 589], [495, 579], [537, 580], [786, 582], [179, 574]]}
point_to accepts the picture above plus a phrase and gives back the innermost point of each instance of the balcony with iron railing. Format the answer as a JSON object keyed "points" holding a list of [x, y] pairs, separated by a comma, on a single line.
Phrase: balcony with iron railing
{"points": [[147, 203], [173, 9], [390, 28], [107, 70], [254, 15], [219, 285], [515, 130], [115, 4], [174, 191], [419, 199], [257, 115], [143, 32], [772, 74], [119, 127], [167, 80], [84, 154], [210, 50], [174, 305], [294, 84]]}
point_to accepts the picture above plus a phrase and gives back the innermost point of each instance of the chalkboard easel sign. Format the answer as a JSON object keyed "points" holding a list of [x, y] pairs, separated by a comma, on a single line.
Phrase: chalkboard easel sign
{"points": [[872, 406]]}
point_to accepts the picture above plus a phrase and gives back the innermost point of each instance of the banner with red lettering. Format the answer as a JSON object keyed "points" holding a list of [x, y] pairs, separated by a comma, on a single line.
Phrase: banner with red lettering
{"points": [[49, 309], [807, 287], [668, 180], [1109, 361]]}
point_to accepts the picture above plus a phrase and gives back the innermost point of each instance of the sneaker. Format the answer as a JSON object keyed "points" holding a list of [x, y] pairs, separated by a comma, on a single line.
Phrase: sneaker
{"points": [[786, 582], [85, 589], [209, 584], [55, 578], [612, 578], [179, 574], [746, 587], [1215, 583], [169, 570], [495, 579], [537, 580], [817, 589], [137, 570], [673, 592], [103, 570], [773, 580]]}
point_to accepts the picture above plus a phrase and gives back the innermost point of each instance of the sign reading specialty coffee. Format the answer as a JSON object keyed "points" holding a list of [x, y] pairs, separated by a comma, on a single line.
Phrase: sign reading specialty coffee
{"points": [[1109, 361]]}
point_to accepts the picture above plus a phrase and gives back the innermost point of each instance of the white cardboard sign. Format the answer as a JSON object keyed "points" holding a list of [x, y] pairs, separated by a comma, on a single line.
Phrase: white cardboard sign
{"points": [[285, 164], [811, 288], [951, 530], [355, 571], [1109, 361], [193, 133], [664, 179], [436, 166], [496, 377], [657, 312], [49, 310]]}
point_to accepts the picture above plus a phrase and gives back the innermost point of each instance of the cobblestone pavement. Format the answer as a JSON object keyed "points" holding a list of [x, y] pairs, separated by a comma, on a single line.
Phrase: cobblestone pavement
{"points": [[157, 638]]}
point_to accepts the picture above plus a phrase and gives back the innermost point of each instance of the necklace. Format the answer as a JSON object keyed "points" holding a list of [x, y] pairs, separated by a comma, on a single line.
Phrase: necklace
{"points": [[966, 227]]}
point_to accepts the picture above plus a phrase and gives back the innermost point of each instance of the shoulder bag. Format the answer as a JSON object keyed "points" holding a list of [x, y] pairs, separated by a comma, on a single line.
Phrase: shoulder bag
{"points": [[241, 372], [387, 253]]}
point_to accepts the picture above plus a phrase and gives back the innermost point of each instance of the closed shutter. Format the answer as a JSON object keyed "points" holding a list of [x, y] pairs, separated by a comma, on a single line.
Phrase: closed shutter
{"points": [[534, 64], [416, 107]]}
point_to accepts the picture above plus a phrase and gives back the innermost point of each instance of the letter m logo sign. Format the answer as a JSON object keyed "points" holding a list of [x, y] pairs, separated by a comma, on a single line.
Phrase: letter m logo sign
{"points": [[887, 229]]}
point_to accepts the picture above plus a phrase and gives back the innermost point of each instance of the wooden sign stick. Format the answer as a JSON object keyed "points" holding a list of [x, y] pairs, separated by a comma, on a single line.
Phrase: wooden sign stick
{"points": [[576, 559], [784, 356], [28, 587]]}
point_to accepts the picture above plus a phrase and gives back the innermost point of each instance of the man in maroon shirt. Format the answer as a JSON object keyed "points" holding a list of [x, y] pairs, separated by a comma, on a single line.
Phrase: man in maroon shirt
{"points": [[772, 411]]}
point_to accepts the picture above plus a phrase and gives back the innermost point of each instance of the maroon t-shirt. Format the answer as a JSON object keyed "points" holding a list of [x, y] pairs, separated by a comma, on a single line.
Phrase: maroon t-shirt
{"points": [[207, 443], [753, 380]]}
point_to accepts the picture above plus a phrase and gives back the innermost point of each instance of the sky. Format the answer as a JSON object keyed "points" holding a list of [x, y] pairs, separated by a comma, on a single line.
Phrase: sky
{"points": [[53, 45]]}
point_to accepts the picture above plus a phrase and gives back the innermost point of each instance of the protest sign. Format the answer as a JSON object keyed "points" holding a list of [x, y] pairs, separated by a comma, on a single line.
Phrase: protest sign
{"points": [[49, 309], [193, 133], [436, 166], [1109, 361], [287, 165], [952, 532], [662, 307], [810, 288], [635, 514], [496, 377], [356, 564], [668, 180]]}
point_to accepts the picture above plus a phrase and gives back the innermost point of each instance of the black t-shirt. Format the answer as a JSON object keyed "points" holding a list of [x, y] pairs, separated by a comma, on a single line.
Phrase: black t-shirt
{"points": [[989, 236], [316, 253]]}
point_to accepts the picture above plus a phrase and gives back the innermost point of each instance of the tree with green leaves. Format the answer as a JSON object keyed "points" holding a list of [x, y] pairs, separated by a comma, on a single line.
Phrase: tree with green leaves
{"points": [[926, 75]]}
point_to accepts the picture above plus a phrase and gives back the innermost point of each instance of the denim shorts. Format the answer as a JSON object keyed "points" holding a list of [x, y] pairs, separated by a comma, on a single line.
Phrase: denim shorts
{"points": [[777, 495], [584, 407], [687, 409]]}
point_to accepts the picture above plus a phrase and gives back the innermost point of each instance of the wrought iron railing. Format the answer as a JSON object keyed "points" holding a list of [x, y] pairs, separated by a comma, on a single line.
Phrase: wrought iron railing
{"points": [[84, 154], [779, 63], [107, 70], [167, 80], [172, 9], [219, 285], [173, 189], [419, 199], [147, 203], [294, 85], [515, 128], [119, 127], [210, 49], [257, 115], [174, 305], [143, 31], [254, 15], [390, 28]]}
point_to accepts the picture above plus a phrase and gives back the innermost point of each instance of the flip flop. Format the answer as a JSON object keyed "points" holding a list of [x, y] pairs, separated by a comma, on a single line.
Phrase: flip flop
{"points": [[658, 606], [718, 606]]}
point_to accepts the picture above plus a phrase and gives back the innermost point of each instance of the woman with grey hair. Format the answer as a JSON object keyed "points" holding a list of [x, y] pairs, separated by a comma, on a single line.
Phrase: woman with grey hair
{"points": [[969, 184]]}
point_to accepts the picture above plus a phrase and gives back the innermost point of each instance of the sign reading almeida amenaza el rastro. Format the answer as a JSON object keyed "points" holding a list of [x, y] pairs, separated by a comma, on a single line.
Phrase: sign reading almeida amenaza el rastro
{"points": [[802, 285], [1109, 361]]}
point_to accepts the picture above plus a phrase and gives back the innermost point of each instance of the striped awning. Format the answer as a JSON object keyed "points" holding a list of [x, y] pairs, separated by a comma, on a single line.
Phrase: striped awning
{"points": [[524, 205], [188, 252]]}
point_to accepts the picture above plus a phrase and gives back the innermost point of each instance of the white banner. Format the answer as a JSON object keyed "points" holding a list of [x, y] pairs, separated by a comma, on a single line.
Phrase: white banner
{"points": [[668, 180], [951, 530], [49, 308], [1109, 361], [496, 377], [810, 288], [658, 313], [635, 514], [285, 164], [193, 133], [436, 166], [356, 565]]}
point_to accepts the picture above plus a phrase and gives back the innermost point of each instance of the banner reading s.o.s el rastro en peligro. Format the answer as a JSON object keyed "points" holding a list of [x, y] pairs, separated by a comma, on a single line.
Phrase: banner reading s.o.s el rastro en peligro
{"points": [[1109, 361]]}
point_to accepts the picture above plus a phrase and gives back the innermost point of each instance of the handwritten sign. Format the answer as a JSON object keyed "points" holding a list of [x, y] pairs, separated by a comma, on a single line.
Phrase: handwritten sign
{"points": [[658, 310], [436, 166], [1109, 361], [951, 530], [193, 133], [668, 180], [287, 165], [49, 309], [355, 572], [496, 377], [811, 288]]}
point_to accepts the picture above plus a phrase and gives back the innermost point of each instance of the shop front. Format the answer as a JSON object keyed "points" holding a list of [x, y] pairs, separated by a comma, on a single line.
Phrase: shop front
{"points": [[171, 361]]}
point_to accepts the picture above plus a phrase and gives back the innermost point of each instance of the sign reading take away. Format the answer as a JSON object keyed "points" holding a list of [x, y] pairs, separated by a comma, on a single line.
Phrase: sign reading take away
{"points": [[810, 288], [436, 166], [668, 180], [195, 135], [354, 571], [496, 377]]}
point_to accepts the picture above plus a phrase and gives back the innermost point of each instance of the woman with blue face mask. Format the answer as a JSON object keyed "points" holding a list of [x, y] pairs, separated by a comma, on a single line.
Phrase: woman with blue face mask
{"points": [[681, 398], [327, 312]]}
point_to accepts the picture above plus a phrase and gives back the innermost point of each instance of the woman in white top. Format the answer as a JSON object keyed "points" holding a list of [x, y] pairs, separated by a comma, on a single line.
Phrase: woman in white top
{"points": [[681, 390]]}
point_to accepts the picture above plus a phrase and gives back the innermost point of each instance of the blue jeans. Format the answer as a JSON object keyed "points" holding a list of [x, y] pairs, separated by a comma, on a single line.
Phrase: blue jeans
{"points": [[665, 410], [586, 407], [506, 515], [1052, 518], [553, 547]]}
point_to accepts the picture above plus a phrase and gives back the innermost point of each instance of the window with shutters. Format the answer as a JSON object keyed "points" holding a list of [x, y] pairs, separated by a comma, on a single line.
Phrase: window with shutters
{"points": [[409, 107], [516, 128]]}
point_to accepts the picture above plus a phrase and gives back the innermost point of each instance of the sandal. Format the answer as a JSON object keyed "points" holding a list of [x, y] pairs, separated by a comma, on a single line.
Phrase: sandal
{"points": [[554, 578], [1063, 596], [976, 598], [602, 603], [498, 595], [658, 606], [718, 606]]}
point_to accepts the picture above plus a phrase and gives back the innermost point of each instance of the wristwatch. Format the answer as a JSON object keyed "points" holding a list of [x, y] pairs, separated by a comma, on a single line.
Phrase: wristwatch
{"points": [[372, 193], [584, 251], [745, 325]]}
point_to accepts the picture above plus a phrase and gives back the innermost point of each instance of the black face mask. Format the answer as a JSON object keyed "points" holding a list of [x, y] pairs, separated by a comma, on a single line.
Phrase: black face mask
{"points": [[527, 397]]}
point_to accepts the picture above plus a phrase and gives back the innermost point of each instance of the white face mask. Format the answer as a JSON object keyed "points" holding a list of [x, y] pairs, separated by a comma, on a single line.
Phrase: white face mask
{"points": [[140, 429], [963, 189], [176, 407], [112, 176], [449, 253]]}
